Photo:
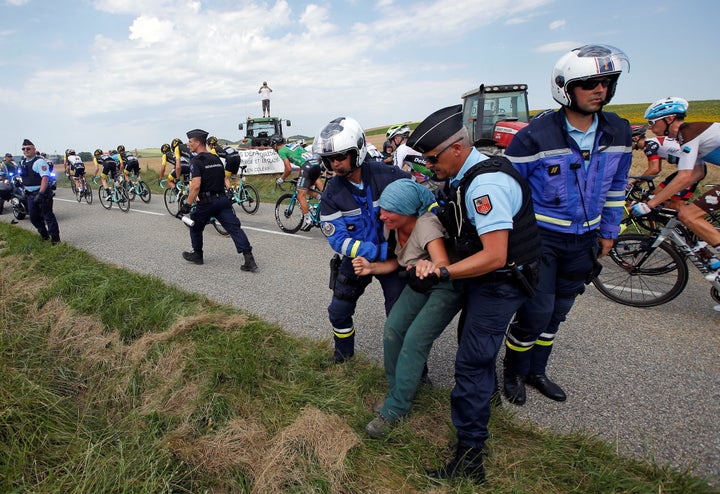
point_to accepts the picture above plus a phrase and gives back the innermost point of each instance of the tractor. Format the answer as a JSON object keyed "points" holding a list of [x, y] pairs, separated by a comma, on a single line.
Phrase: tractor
{"points": [[493, 114], [259, 130]]}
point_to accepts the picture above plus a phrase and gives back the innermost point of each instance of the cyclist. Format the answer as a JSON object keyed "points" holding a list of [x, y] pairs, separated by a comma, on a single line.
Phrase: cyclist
{"points": [[181, 154], [232, 166], [398, 136], [310, 173], [75, 168], [656, 149], [698, 142], [129, 162], [167, 157], [350, 221], [290, 154], [109, 169]]}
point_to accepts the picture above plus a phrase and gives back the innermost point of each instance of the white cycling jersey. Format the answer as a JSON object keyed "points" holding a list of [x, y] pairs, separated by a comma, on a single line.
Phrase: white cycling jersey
{"points": [[699, 142], [401, 153]]}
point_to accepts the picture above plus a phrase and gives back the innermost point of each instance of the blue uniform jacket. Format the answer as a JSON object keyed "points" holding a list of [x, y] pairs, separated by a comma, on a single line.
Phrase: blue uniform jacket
{"points": [[351, 217], [554, 166]]}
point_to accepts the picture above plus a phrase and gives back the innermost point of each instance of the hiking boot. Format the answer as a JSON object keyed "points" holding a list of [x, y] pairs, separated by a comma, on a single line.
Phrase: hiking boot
{"points": [[250, 264], [468, 463], [194, 257], [379, 427]]}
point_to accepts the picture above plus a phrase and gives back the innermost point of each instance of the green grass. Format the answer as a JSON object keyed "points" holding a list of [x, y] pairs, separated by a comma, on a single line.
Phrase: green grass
{"points": [[166, 391]]}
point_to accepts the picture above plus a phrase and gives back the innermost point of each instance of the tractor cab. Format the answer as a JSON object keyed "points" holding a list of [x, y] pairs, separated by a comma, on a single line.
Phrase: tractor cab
{"points": [[494, 113]]}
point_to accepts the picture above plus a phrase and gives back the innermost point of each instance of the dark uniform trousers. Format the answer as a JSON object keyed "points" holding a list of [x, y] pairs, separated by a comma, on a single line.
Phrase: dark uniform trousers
{"points": [[490, 306], [220, 208], [42, 216], [565, 264], [348, 289]]}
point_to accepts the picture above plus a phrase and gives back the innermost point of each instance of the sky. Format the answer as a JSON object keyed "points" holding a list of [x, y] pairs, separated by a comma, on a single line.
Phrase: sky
{"points": [[87, 74]]}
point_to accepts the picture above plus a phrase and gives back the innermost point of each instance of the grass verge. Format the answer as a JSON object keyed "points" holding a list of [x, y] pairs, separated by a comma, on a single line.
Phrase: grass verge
{"points": [[116, 382]]}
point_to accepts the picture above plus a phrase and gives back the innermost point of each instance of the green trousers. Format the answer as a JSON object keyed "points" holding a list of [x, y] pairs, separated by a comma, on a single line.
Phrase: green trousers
{"points": [[412, 326]]}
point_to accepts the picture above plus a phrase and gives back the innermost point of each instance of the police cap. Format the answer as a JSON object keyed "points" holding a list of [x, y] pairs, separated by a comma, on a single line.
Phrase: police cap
{"points": [[27, 142], [436, 129], [197, 134]]}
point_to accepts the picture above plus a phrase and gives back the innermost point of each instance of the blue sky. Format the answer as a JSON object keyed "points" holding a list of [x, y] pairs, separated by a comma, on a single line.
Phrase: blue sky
{"points": [[93, 74]]}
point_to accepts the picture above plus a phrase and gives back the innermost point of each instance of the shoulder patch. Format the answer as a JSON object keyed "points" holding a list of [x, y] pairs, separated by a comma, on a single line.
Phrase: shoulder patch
{"points": [[44, 168], [328, 229], [483, 205]]}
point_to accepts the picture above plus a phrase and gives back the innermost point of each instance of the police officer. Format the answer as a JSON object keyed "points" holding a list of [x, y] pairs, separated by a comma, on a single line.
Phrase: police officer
{"points": [[494, 256], [576, 161], [207, 187], [351, 222], [36, 178]]}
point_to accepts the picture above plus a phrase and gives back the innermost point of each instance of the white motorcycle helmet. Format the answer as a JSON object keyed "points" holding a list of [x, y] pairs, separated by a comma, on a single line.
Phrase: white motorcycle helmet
{"points": [[586, 62], [341, 135]]}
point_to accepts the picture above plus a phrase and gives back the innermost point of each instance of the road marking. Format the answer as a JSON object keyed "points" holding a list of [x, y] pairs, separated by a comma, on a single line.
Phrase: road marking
{"points": [[276, 232], [131, 209]]}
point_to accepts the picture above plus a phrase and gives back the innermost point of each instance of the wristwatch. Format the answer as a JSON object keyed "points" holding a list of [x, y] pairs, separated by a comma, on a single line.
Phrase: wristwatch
{"points": [[444, 274]]}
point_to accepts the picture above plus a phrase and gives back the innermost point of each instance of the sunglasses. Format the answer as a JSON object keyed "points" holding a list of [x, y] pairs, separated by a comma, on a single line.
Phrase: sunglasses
{"points": [[590, 84], [654, 121], [26, 148], [433, 159], [336, 157]]}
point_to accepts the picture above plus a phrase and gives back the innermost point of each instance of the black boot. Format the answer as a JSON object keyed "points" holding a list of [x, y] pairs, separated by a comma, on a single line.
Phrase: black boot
{"points": [[514, 388], [250, 264], [468, 463], [546, 387], [193, 256]]}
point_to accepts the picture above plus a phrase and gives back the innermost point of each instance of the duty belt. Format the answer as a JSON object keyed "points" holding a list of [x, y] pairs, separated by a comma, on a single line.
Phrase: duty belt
{"points": [[209, 196]]}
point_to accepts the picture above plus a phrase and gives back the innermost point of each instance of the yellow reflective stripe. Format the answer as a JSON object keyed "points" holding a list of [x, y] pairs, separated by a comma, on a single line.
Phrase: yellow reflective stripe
{"points": [[614, 204], [544, 342], [592, 222], [344, 333], [516, 347], [549, 219], [354, 249]]}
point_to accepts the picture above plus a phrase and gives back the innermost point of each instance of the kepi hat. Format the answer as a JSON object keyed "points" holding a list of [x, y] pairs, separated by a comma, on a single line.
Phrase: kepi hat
{"points": [[436, 129]]}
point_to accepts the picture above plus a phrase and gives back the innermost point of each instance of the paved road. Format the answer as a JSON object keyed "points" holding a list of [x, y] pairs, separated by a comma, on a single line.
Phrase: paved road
{"points": [[648, 379]]}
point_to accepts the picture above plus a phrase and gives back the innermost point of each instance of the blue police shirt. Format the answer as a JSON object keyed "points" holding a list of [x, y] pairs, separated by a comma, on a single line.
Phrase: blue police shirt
{"points": [[43, 169], [585, 140], [491, 199]]}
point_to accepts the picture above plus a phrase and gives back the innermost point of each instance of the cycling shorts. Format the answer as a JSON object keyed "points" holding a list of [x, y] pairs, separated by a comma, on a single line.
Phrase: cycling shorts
{"points": [[683, 195], [308, 176], [709, 201], [79, 170], [109, 169], [132, 166], [184, 171]]}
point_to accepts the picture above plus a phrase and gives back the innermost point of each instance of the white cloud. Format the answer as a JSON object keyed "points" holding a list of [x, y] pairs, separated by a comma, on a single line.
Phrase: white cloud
{"points": [[149, 30], [558, 46], [16, 3], [557, 24]]}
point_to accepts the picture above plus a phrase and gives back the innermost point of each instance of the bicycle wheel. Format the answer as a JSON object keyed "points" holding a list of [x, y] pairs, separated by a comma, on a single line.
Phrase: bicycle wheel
{"points": [[171, 201], [635, 274], [144, 191], [123, 200], [219, 228], [129, 189], [88, 193], [250, 199], [288, 214], [105, 198], [73, 185]]}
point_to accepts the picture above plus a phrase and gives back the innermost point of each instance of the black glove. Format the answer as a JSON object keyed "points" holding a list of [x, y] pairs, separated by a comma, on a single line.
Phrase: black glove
{"points": [[421, 285], [185, 209]]}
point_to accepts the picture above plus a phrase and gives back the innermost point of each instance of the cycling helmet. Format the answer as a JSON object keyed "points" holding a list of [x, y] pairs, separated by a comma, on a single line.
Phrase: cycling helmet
{"points": [[397, 130], [583, 63], [276, 139], [667, 106], [175, 143], [340, 135], [165, 148], [121, 148], [71, 152], [638, 131], [98, 152], [211, 141]]}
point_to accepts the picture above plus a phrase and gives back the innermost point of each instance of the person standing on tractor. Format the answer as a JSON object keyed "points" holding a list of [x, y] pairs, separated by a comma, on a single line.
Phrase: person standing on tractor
{"points": [[264, 93], [576, 161]]}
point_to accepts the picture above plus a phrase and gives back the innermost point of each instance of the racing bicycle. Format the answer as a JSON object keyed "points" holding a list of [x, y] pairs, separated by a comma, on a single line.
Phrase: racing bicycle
{"points": [[84, 191], [244, 194], [646, 270], [136, 186], [176, 202], [116, 195], [288, 214]]}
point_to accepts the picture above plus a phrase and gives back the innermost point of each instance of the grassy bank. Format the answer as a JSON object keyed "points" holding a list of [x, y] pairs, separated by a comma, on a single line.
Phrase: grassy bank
{"points": [[117, 382]]}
